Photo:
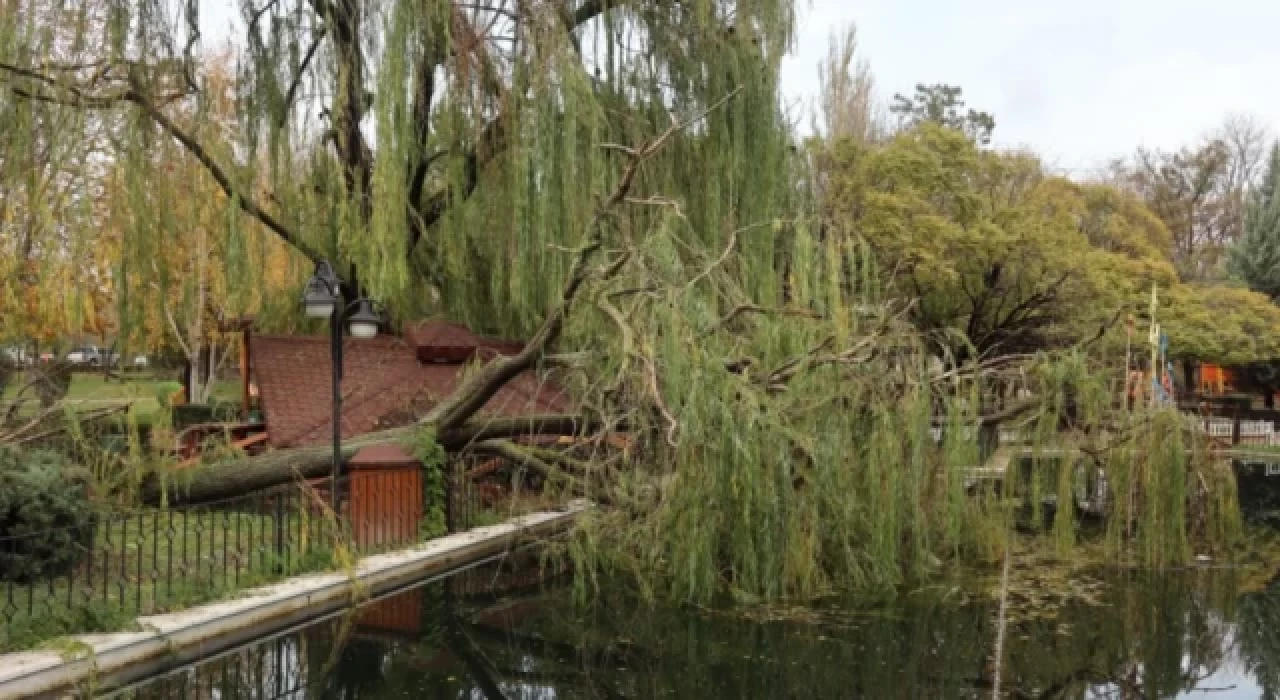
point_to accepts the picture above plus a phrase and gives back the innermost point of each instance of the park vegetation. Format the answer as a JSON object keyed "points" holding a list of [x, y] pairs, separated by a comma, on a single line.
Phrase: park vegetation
{"points": [[777, 321]]}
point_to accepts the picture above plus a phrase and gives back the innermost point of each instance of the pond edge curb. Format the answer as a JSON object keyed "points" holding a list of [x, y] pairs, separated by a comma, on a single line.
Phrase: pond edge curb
{"points": [[197, 630]]}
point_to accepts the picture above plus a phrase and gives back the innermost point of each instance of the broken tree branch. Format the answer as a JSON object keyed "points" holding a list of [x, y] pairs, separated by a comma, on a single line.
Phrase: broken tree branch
{"points": [[225, 479], [476, 392]]}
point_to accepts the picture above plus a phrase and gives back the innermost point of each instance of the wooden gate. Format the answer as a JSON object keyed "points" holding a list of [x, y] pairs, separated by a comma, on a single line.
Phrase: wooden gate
{"points": [[386, 497]]}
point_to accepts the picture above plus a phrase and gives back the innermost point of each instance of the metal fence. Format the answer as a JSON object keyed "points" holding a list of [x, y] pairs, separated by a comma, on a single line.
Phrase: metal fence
{"points": [[149, 561], [142, 562], [461, 499]]}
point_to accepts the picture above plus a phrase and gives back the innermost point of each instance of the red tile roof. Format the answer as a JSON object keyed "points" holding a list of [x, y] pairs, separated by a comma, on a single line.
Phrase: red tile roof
{"points": [[382, 376], [445, 341]]}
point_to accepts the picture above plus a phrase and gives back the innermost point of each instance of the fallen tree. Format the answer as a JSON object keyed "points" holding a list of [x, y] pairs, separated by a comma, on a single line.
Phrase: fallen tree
{"points": [[453, 420], [780, 408], [225, 479]]}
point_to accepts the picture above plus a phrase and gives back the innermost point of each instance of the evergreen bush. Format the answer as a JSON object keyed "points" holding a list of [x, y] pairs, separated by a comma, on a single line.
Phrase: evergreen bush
{"points": [[46, 514]]}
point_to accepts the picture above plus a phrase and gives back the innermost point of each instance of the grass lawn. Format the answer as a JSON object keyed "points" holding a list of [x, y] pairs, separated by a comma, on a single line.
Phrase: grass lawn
{"points": [[89, 388], [162, 560]]}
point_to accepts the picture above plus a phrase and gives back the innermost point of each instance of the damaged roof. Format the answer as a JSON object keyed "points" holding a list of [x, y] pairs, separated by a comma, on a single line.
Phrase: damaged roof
{"points": [[384, 378]]}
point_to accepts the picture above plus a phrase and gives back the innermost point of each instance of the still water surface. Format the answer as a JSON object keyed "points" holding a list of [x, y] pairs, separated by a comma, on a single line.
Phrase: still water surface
{"points": [[1083, 636]]}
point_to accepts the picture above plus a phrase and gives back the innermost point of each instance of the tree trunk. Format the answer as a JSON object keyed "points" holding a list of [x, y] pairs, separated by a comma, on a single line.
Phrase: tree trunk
{"points": [[106, 361], [212, 482], [197, 377]]}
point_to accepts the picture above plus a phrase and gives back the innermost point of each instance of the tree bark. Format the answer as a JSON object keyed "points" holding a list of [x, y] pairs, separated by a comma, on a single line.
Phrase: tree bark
{"points": [[227, 479]]}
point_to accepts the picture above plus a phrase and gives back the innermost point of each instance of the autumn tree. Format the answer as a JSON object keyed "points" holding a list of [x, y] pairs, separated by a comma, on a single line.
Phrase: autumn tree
{"points": [[847, 105], [188, 265], [50, 199], [1199, 192]]}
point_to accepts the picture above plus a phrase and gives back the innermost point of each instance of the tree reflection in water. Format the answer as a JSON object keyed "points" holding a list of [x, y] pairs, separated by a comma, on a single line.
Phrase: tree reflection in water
{"points": [[1140, 635]]}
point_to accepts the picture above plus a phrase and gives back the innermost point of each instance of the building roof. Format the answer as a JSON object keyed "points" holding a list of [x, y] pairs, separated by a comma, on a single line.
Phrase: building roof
{"points": [[445, 341], [383, 379]]}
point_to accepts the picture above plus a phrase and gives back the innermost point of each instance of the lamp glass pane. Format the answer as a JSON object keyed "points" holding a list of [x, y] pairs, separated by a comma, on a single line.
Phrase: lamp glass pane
{"points": [[317, 308], [363, 329]]}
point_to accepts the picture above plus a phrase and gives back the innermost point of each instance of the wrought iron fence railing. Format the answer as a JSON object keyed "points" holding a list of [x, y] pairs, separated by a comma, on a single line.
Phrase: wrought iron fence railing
{"points": [[142, 562]]}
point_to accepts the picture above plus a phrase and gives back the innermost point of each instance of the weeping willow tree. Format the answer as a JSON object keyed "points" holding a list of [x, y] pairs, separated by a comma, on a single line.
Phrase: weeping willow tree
{"points": [[50, 160], [612, 178], [440, 153]]}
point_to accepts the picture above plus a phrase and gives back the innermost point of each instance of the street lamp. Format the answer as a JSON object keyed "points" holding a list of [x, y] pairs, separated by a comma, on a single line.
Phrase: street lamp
{"points": [[323, 299]]}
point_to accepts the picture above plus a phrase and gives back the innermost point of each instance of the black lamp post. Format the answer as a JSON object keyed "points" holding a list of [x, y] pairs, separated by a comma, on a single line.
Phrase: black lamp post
{"points": [[323, 299]]}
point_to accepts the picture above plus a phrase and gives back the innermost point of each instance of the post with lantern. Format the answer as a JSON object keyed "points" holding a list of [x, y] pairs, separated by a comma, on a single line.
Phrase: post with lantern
{"points": [[323, 299]]}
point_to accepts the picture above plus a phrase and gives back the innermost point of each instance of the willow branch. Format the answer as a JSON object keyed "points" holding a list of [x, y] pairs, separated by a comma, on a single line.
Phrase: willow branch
{"points": [[492, 141], [220, 175], [476, 392], [512, 453], [18, 438], [741, 309], [72, 96], [297, 78]]}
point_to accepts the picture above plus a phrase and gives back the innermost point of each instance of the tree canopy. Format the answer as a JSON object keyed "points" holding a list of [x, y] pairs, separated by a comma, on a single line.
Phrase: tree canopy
{"points": [[620, 179], [994, 250], [943, 105], [1255, 258], [426, 147]]}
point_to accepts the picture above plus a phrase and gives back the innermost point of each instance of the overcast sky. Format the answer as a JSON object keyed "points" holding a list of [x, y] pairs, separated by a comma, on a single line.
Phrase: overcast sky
{"points": [[1079, 82]]}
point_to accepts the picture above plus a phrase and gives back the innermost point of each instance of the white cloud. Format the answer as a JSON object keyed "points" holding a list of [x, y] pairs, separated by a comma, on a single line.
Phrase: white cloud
{"points": [[1079, 82]]}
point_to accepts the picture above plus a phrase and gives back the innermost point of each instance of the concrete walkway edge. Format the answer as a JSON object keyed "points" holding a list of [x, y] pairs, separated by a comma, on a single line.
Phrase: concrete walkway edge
{"points": [[187, 632]]}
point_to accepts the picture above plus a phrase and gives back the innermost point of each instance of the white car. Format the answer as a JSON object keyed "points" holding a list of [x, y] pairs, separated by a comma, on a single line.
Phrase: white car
{"points": [[91, 355], [15, 355], [140, 362]]}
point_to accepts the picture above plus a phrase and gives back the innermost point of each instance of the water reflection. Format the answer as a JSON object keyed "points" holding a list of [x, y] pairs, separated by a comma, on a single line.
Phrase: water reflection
{"points": [[488, 634]]}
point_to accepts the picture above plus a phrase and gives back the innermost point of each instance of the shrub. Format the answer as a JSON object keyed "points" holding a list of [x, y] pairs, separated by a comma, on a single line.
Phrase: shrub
{"points": [[165, 391], [46, 514], [52, 382]]}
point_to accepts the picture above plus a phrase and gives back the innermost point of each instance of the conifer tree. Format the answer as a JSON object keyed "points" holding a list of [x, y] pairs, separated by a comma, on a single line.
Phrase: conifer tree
{"points": [[1255, 259]]}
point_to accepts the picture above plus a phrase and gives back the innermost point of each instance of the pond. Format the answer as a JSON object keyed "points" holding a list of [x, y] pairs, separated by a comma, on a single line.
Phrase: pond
{"points": [[492, 633]]}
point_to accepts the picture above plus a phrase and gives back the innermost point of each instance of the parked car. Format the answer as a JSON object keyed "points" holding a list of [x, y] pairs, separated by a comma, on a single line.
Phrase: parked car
{"points": [[93, 356], [140, 362], [15, 355]]}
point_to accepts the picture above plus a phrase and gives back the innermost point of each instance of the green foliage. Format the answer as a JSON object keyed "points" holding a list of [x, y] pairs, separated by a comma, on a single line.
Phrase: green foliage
{"points": [[428, 451], [1220, 324], [1001, 256], [990, 245], [165, 391], [942, 105], [45, 506], [1255, 258], [1171, 498]]}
